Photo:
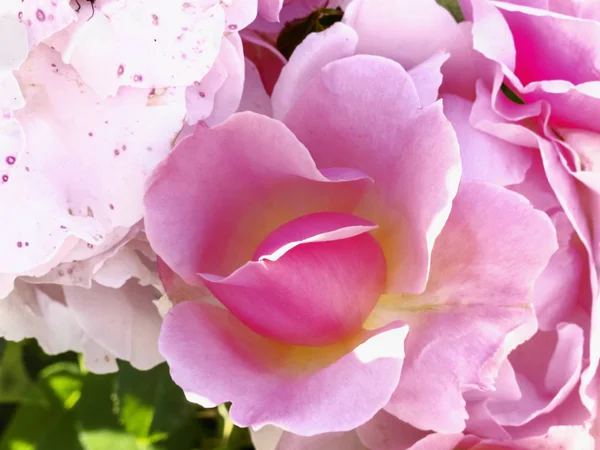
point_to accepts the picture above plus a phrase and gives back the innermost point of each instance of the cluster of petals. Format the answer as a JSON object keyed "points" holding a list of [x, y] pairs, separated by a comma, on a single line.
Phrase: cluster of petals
{"points": [[390, 241], [383, 250], [92, 96]]}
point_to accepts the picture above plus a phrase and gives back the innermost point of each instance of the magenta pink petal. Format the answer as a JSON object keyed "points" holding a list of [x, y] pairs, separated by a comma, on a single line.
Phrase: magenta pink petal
{"points": [[295, 388], [476, 304], [566, 45], [370, 114], [313, 281], [223, 190]]}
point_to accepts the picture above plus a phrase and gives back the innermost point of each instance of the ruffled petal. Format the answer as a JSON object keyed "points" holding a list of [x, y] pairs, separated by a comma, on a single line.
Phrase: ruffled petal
{"points": [[124, 321], [485, 157], [295, 388], [147, 44], [77, 174], [476, 304], [40, 312]]}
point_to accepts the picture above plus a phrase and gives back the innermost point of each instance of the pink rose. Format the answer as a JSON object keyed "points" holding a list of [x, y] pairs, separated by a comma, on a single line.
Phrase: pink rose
{"points": [[300, 252]]}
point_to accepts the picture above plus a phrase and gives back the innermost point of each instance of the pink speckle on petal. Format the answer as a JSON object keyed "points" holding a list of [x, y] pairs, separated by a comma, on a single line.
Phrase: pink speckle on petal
{"points": [[90, 246], [137, 78], [154, 19], [50, 17], [20, 15], [202, 94], [123, 147], [111, 206], [90, 134], [26, 244], [4, 178], [232, 27], [10, 160], [120, 70], [28, 23], [117, 152], [40, 15], [19, 244], [70, 271]]}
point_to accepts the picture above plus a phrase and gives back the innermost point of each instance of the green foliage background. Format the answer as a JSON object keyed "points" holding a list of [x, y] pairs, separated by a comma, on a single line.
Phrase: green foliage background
{"points": [[54, 403]]}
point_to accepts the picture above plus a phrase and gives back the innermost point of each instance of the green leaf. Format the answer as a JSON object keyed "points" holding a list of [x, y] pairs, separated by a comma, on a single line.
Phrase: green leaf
{"points": [[45, 421], [454, 9], [98, 425], [14, 380], [150, 406], [294, 32], [512, 96]]}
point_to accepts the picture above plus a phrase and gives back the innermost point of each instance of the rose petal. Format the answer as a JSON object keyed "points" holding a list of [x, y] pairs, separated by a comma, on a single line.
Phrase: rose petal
{"points": [[563, 282], [485, 157], [402, 30], [124, 321], [145, 44], [269, 9], [427, 77], [386, 432], [316, 51], [548, 367], [295, 388], [40, 312], [268, 60], [79, 174], [240, 13], [369, 106], [481, 281], [216, 96], [234, 184], [254, 98], [313, 281], [43, 18]]}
